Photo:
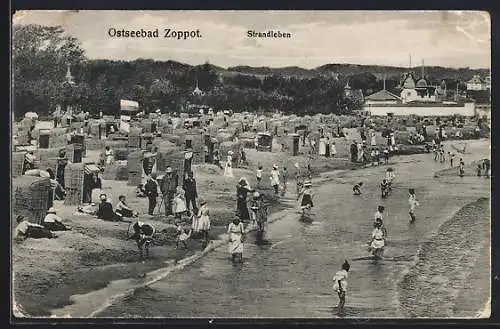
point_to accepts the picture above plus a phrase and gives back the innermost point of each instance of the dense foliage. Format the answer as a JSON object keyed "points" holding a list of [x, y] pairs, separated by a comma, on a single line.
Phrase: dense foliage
{"points": [[41, 55]]}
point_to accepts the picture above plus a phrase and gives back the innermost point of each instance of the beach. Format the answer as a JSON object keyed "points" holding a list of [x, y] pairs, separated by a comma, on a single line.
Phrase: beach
{"points": [[295, 245]]}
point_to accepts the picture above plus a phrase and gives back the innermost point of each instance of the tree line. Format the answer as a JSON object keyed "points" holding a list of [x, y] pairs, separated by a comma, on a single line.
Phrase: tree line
{"points": [[40, 56]]}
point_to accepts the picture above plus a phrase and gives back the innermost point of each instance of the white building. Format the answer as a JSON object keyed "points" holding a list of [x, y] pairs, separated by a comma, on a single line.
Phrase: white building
{"points": [[477, 83]]}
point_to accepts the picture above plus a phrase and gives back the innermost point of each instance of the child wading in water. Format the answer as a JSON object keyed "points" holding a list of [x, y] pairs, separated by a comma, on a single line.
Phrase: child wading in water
{"points": [[357, 188], [340, 284], [413, 203]]}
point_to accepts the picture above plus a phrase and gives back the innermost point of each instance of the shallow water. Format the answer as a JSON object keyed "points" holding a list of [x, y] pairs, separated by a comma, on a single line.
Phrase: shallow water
{"points": [[291, 278]]}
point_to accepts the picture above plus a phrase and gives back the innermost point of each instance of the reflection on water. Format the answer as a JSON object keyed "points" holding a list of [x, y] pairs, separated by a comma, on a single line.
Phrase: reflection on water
{"points": [[292, 277]]}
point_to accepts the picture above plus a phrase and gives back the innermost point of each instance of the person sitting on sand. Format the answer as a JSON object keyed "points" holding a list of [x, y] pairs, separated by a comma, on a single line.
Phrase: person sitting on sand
{"points": [[26, 230], [105, 209], [53, 222], [479, 170], [123, 210], [357, 188], [340, 284]]}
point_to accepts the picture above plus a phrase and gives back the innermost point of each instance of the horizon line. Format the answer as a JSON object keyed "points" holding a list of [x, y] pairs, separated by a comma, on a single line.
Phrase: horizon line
{"points": [[293, 66]]}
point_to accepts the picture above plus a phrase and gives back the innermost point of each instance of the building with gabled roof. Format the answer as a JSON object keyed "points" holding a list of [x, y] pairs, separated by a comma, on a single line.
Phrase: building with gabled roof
{"points": [[382, 97]]}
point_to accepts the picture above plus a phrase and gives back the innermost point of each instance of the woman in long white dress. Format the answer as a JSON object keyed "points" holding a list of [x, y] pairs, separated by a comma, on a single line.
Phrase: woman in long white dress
{"points": [[236, 233], [228, 169], [322, 146]]}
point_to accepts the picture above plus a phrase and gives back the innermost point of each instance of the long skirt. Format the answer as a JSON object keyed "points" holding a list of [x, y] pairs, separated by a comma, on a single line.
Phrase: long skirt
{"points": [[242, 208], [306, 200], [228, 170], [236, 246]]}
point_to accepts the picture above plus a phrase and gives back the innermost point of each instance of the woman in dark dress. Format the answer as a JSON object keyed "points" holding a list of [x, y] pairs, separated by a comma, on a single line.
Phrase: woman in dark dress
{"points": [[241, 193], [105, 210]]}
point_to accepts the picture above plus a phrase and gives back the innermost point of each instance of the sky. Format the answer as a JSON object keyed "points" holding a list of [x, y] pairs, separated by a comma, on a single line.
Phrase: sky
{"points": [[440, 38]]}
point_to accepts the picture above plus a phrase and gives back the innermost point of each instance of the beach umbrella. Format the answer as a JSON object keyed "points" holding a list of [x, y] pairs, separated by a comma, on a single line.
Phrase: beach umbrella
{"points": [[31, 115]]}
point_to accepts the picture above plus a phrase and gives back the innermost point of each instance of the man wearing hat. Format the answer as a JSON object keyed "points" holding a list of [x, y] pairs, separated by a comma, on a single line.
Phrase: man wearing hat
{"points": [[53, 222], [191, 193], [151, 191], [168, 188]]}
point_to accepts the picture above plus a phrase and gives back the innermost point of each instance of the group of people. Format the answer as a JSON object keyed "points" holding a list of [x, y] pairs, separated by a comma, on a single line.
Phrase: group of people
{"points": [[361, 153], [50, 224]]}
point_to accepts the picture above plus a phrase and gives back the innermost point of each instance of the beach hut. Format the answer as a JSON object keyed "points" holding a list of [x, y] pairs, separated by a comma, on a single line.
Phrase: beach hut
{"points": [[127, 109], [31, 196], [264, 142]]}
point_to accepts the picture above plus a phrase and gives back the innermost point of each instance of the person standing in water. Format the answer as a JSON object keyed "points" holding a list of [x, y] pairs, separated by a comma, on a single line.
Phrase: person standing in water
{"points": [[377, 242], [340, 284], [306, 197], [461, 166], [236, 233], [379, 213], [413, 203]]}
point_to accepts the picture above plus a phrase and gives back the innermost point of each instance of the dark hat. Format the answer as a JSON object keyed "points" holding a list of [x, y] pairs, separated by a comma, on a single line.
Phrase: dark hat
{"points": [[346, 266], [381, 208], [19, 218], [411, 191]]}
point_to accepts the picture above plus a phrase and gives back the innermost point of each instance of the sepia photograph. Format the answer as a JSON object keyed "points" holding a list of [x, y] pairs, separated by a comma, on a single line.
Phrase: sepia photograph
{"points": [[250, 164]]}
